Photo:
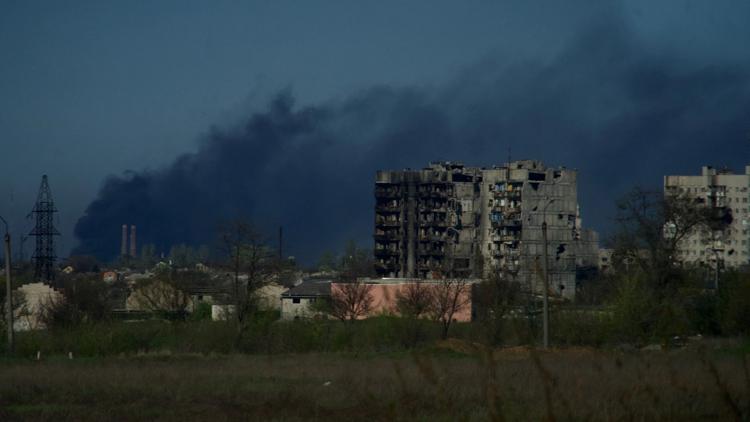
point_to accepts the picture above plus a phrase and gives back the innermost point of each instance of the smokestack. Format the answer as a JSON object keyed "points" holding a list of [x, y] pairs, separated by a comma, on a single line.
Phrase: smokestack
{"points": [[124, 241], [133, 249], [281, 243]]}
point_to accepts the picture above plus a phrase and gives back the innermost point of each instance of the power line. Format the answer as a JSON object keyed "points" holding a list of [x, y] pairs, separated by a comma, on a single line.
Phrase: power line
{"points": [[44, 254]]}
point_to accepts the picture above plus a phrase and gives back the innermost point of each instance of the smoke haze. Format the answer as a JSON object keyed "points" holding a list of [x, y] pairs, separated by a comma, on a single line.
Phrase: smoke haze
{"points": [[620, 111]]}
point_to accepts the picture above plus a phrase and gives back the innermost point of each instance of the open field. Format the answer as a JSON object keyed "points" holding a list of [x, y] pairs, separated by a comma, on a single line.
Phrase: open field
{"points": [[434, 384]]}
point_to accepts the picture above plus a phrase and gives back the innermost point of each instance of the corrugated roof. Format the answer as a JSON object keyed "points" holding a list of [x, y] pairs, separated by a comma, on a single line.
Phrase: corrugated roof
{"points": [[310, 288]]}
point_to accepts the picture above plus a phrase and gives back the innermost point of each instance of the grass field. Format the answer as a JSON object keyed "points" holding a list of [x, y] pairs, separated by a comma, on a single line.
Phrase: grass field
{"points": [[446, 383]]}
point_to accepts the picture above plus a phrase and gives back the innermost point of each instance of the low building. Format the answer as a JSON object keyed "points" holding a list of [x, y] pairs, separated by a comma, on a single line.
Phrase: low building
{"points": [[222, 312], [297, 302], [36, 297], [385, 293], [269, 296]]}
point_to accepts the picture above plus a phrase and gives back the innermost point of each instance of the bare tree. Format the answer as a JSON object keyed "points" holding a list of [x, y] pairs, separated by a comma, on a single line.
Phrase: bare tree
{"points": [[351, 300], [253, 264], [449, 297], [84, 300], [162, 294], [496, 296], [451, 294], [414, 300], [653, 225]]}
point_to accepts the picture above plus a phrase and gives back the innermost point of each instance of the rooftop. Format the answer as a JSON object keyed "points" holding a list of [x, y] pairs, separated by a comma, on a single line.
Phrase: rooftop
{"points": [[310, 288]]}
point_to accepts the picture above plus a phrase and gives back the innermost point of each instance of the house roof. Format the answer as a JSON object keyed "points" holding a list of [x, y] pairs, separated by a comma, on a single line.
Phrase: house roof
{"points": [[310, 288]]}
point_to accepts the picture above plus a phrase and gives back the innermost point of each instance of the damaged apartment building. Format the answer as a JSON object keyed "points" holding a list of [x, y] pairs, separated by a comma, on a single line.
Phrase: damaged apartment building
{"points": [[725, 191], [448, 220]]}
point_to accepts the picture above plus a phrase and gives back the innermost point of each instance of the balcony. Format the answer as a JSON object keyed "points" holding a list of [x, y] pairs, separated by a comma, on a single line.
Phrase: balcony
{"points": [[431, 252], [427, 209], [388, 208], [429, 265], [384, 222], [433, 223], [438, 238], [385, 265], [386, 252], [511, 224], [435, 193], [391, 235], [383, 192]]}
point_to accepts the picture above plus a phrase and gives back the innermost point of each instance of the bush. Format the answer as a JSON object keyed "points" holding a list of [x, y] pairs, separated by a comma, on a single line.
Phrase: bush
{"points": [[576, 327], [85, 301], [733, 311], [202, 312]]}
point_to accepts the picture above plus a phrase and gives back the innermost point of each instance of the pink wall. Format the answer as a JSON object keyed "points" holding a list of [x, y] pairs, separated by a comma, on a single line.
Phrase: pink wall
{"points": [[385, 294]]}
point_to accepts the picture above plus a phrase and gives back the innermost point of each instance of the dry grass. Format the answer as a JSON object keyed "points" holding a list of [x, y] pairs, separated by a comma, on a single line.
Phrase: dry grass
{"points": [[475, 384]]}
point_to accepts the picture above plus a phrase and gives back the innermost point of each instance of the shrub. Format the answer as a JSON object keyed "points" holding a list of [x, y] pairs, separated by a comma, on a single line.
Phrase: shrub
{"points": [[733, 310]]}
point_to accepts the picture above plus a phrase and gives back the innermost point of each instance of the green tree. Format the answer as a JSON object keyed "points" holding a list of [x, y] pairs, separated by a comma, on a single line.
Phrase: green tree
{"points": [[655, 293], [734, 303]]}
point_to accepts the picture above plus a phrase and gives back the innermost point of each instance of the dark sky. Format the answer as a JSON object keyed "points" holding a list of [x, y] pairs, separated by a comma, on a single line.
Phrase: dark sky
{"points": [[280, 104]]}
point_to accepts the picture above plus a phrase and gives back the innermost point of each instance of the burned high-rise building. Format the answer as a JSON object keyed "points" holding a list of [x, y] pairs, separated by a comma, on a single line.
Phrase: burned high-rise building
{"points": [[452, 220]]}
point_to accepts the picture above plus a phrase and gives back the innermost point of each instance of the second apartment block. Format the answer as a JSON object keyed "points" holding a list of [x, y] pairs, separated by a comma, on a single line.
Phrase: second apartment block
{"points": [[721, 189]]}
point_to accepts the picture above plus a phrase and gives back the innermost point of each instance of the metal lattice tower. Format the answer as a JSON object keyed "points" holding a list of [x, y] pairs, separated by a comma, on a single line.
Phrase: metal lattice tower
{"points": [[45, 232]]}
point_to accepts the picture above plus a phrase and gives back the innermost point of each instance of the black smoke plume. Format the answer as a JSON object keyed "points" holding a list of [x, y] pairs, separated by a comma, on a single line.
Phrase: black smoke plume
{"points": [[620, 111]]}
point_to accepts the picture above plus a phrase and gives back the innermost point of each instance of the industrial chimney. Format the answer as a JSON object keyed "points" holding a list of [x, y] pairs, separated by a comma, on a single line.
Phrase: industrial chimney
{"points": [[133, 249], [124, 241]]}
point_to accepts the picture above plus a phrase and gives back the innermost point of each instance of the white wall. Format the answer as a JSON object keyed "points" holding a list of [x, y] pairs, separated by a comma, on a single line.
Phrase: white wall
{"points": [[290, 310]]}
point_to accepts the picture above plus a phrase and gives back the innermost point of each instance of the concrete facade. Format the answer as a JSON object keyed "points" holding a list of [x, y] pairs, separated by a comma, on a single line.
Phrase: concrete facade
{"points": [[472, 221], [269, 296], [717, 188]]}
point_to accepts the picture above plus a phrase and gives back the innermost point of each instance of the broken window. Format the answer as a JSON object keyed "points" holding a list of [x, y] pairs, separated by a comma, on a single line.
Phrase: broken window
{"points": [[295, 300], [537, 176]]}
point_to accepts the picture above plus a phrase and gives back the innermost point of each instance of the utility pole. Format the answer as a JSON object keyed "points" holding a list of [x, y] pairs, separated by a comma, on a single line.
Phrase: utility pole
{"points": [[8, 289], [545, 293], [545, 299], [716, 251], [22, 240]]}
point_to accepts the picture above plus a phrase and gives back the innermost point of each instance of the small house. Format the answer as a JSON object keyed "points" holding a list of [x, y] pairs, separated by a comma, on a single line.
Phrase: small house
{"points": [[298, 301]]}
